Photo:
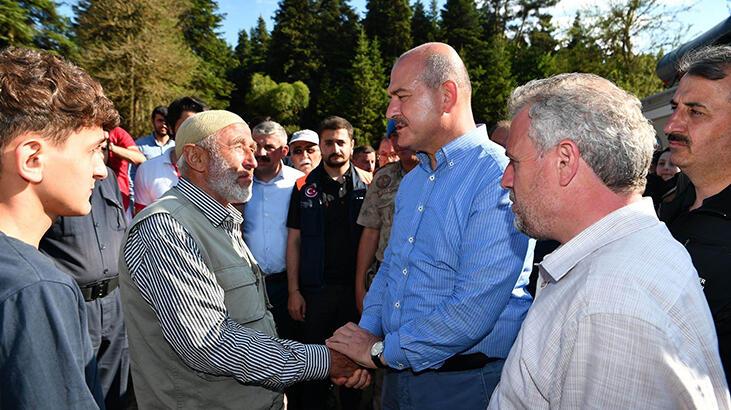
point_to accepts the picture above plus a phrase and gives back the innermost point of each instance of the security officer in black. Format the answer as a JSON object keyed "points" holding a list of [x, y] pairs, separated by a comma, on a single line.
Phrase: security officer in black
{"points": [[321, 247], [87, 248]]}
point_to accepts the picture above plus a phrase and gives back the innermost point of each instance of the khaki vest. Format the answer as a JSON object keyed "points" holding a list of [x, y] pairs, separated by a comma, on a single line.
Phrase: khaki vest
{"points": [[162, 379]]}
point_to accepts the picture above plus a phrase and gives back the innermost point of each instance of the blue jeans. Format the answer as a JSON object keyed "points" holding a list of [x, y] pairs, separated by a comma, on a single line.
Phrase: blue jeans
{"points": [[463, 390]]}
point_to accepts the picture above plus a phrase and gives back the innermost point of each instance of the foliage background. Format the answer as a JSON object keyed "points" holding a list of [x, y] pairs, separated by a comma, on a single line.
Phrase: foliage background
{"points": [[321, 58]]}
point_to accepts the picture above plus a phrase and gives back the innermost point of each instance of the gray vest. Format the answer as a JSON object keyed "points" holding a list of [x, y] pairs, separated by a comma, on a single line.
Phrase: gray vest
{"points": [[162, 379]]}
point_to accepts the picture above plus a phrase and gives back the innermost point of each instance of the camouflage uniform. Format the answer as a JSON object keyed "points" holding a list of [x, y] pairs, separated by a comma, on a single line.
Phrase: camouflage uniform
{"points": [[378, 208]]}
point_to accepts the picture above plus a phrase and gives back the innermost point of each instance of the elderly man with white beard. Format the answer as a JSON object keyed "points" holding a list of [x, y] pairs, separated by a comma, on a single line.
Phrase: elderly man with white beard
{"points": [[200, 333]]}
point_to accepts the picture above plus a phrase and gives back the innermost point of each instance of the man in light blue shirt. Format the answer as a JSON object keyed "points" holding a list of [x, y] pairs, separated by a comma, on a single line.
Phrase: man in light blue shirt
{"points": [[450, 297], [154, 144], [265, 217], [159, 140]]}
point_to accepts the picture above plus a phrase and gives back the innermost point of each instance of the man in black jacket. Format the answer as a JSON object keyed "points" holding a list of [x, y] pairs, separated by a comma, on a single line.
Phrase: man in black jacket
{"points": [[321, 246], [699, 132]]}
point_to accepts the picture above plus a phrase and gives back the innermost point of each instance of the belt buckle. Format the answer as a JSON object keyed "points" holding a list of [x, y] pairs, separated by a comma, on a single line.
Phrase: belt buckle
{"points": [[99, 289]]}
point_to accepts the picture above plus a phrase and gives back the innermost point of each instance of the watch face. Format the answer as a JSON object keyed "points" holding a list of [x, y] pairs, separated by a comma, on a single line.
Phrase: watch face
{"points": [[377, 348]]}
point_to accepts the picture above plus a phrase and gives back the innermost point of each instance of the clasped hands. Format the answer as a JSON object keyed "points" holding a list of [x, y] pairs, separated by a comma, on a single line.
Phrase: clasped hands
{"points": [[350, 349]]}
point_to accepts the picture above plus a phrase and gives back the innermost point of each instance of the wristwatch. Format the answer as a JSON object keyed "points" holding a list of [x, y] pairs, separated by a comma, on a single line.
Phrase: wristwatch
{"points": [[376, 352]]}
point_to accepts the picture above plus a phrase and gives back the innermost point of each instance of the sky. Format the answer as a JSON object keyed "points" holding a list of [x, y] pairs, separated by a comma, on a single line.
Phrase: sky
{"points": [[702, 15]]}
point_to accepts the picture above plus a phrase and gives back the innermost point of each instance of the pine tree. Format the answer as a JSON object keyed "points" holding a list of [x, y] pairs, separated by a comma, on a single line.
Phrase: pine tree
{"points": [[137, 52], [337, 37], [424, 28], [36, 24], [529, 55], [259, 39], [493, 83], [461, 27], [293, 53], [240, 76], [200, 24], [389, 21], [368, 97]]}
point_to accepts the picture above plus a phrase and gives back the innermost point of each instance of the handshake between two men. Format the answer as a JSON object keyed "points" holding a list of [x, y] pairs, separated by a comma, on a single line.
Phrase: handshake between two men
{"points": [[354, 344]]}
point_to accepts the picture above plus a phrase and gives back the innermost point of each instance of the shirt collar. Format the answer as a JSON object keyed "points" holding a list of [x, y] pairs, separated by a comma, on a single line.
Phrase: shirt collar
{"points": [[616, 225], [212, 209], [276, 178], [451, 153]]}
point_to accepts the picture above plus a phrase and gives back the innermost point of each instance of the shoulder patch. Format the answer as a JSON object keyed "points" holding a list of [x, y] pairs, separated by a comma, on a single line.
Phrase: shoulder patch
{"points": [[311, 191]]}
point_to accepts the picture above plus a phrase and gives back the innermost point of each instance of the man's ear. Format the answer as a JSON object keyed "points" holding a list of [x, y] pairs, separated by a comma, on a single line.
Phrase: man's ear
{"points": [[569, 158], [285, 150], [30, 159], [449, 95], [196, 157]]}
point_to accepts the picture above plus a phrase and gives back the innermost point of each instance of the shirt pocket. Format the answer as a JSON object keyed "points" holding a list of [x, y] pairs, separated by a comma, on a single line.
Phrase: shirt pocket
{"points": [[241, 296]]}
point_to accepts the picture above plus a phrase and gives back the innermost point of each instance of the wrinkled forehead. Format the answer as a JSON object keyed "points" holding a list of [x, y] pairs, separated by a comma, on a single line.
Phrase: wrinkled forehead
{"points": [[238, 133]]}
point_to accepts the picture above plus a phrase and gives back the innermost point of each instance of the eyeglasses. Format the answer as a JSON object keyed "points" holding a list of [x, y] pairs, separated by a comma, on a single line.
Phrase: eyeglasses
{"points": [[301, 151]]}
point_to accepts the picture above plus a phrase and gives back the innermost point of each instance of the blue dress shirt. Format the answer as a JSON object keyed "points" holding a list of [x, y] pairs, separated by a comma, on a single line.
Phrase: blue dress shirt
{"points": [[150, 148], [454, 273], [265, 219]]}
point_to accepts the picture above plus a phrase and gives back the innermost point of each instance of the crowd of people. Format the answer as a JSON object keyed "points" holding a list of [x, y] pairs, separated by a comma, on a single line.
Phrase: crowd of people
{"points": [[559, 261]]}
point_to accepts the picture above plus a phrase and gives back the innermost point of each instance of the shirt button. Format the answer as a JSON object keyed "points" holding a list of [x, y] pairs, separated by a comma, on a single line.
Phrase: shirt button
{"points": [[451, 163], [421, 208], [431, 177], [397, 305], [400, 365], [411, 239], [405, 271], [103, 247]]}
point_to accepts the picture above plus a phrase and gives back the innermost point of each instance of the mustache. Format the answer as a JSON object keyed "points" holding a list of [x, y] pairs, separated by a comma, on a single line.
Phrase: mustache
{"points": [[400, 121], [679, 138], [263, 159], [336, 156]]}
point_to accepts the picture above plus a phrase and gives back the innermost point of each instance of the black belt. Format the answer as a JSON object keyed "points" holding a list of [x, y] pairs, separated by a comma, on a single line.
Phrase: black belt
{"points": [[276, 277], [462, 362], [99, 289]]}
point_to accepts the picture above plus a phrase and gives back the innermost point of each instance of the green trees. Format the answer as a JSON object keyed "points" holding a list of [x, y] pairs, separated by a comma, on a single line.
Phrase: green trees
{"points": [[367, 98], [424, 23], [293, 52], [136, 51], [389, 22], [37, 24], [147, 52], [284, 101], [215, 58]]}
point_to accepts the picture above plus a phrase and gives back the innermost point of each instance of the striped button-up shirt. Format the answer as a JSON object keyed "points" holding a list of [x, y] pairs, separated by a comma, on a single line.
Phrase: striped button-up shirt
{"points": [[167, 266], [455, 269], [621, 323]]}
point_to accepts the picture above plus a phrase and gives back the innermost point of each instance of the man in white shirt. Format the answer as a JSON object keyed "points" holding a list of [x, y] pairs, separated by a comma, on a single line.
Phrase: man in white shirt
{"points": [[265, 216], [161, 172], [619, 320]]}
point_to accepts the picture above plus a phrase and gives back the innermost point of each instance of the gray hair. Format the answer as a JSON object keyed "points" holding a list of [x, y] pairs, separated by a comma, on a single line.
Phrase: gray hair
{"points": [[710, 62], [271, 128], [208, 143], [604, 121], [439, 68]]}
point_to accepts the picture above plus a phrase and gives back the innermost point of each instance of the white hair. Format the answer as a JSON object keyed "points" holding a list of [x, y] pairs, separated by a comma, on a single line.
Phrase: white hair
{"points": [[606, 122]]}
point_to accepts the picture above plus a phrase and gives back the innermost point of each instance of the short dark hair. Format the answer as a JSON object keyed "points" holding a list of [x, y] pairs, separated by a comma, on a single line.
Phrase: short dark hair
{"points": [[711, 62], [181, 105], [336, 123], [159, 110], [41, 92], [363, 149]]}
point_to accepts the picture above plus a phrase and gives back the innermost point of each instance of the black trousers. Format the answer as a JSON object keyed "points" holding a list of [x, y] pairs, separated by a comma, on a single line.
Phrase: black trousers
{"points": [[326, 310], [109, 340]]}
